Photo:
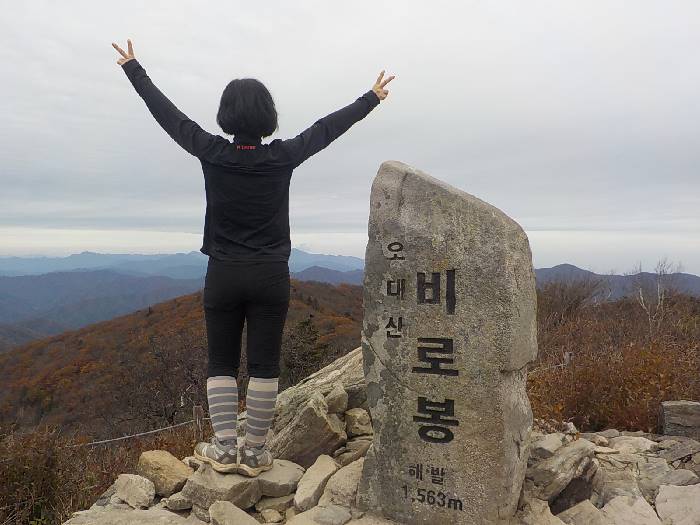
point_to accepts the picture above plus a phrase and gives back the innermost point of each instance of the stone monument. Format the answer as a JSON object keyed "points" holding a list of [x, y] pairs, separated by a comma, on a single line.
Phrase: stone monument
{"points": [[449, 329]]}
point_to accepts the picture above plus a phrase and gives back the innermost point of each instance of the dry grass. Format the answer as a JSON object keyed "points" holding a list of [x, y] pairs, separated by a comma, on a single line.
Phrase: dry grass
{"points": [[621, 366]]}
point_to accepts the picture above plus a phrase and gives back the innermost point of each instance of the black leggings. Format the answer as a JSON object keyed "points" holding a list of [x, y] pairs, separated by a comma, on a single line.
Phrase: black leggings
{"points": [[257, 292]]}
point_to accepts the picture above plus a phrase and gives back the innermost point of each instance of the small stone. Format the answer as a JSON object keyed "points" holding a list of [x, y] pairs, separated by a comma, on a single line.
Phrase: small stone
{"points": [[569, 428], [667, 443], [606, 450], [358, 422], [137, 491], [192, 462], [279, 504], [597, 439], [177, 502], [546, 446], [609, 433], [271, 516], [337, 399], [226, 513], [633, 444]]}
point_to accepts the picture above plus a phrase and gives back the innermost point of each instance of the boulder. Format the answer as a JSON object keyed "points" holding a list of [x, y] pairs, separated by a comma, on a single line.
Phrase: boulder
{"points": [[346, 370], [281, 479], [322, 515], [226, 513], [135, 490], [584, 513], [684, 449], [341, 488], [167, 473], [536, 512], [353, 450], [280, 504], [311, 432], [358, 422], [313, 482], [177, 502], [207, 486], [680, 418], [551, 475], [127, 516], [630, 510], [632, 444], [546, 446], [679, 505], [337, 399]]}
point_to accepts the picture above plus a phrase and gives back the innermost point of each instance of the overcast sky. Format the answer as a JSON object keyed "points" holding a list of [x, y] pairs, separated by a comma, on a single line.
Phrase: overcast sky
{"points": [[580, 120]]}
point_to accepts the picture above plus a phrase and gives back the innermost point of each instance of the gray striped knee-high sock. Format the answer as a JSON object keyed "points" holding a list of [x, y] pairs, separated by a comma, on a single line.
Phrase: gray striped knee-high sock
{"points": [[260, 409], [222, 394]]}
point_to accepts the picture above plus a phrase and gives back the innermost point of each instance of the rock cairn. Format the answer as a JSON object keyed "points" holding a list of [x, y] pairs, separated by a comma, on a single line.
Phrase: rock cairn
{"points": [[606, 477]]}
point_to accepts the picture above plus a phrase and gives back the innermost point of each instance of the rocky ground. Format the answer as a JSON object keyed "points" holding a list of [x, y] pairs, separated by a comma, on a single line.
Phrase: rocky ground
{"points": [[321, 434]]}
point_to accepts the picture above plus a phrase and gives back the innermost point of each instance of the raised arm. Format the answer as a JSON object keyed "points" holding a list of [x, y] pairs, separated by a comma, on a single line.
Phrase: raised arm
{"points": [[181, 129], [325, 130]]}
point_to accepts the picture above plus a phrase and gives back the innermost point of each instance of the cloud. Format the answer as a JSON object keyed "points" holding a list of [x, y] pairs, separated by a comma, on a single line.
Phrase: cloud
{"points": [[576, 118]]}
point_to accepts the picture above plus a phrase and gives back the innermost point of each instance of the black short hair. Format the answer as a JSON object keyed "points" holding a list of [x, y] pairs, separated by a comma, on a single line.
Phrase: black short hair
{"points": [[247, 107]]}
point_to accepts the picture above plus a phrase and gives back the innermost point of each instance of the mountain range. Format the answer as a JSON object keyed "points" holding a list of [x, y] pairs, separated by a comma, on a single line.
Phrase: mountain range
{"points": [[43, 296]]}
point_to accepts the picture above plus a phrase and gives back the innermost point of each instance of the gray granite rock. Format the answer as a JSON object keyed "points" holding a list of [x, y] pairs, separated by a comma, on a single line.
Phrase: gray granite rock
{"points": [[341, 488], [177, 502], [280, 504], [330, 514], [680, 418], [584, 513], [226, 513], [679, 505], [546, 446], [337, 399], [536, 512], [453, 384], [206, 486], [311, 432], [632, 444], [681, 450], [137, 491], [126, 516], [630, 510], [313, 482], [550, 476], [281, 479]]}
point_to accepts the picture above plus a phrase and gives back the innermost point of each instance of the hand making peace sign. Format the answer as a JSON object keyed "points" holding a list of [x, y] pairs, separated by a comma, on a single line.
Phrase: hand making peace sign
{"points": [[127, 56], [378, 87]]}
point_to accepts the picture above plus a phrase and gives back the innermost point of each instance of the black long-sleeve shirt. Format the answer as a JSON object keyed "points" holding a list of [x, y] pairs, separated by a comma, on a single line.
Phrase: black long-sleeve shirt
{"points": [[246, 182]]}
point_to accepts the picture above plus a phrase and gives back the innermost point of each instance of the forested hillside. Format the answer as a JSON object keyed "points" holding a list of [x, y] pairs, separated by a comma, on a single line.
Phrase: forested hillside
{"points": [[147, 368]]}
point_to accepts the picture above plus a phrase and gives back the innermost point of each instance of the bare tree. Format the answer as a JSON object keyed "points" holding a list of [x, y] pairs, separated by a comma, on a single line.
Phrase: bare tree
{"points": [[652, 291]]}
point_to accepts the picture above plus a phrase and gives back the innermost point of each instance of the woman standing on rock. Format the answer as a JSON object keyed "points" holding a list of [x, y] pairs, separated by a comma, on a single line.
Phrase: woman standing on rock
{"points": [[246, 236]]}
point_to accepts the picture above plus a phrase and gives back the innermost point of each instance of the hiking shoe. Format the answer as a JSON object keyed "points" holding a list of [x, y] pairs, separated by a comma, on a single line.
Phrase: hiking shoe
{"points": [[254, 460], [222, 456]]}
